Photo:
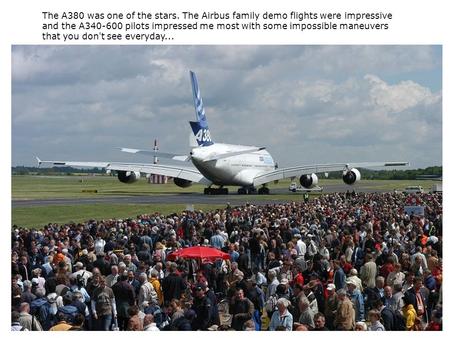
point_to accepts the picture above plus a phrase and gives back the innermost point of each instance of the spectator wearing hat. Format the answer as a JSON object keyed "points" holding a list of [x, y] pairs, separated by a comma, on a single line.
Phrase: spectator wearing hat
{"points": [[331, 304], [37, 278], [282, 316], [353, 277], [345, 313]]}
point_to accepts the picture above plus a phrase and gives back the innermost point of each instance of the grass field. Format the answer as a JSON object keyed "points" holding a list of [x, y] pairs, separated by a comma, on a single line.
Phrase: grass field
{"points": [[65, 187], [39, 216]]}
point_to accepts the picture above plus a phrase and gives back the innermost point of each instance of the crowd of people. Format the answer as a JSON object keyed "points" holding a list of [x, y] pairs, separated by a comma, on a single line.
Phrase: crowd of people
{"points": [[335, 262]]}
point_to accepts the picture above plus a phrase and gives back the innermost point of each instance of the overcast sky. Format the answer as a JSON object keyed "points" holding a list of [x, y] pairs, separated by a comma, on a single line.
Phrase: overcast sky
{"points": [[306, 104]]}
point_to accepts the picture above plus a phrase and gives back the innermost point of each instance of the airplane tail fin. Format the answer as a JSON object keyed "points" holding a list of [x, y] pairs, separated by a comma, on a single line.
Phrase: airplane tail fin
{"points": [[200, 127]]}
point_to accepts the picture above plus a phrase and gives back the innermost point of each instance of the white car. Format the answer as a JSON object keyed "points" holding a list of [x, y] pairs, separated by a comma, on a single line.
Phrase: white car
{"points": [[293, 187]]}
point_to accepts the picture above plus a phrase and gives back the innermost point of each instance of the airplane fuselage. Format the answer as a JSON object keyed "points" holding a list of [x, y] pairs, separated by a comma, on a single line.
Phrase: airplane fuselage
{"points": [[238, 170]]}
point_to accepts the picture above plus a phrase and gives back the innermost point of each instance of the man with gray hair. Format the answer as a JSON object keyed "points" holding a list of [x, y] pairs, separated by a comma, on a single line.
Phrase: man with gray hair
{"points": [[27, 296], [306, 314], [281, 317], [147, 292], [272, 287]]}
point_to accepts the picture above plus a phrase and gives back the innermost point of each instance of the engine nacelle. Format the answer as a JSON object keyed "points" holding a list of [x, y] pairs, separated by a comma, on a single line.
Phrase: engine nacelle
{"points": [[351, 176], [182, 183], [128, 176], [309, 181]]}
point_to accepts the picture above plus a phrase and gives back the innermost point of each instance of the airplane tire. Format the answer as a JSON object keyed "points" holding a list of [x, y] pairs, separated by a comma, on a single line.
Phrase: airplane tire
{"points": [[251, 191], [242, 191], [207, 191], [263, 191]]}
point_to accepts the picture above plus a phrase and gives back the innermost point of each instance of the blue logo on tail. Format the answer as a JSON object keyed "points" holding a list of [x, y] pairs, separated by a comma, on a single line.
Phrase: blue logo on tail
{"points": [[200, 128], [198, 102]]}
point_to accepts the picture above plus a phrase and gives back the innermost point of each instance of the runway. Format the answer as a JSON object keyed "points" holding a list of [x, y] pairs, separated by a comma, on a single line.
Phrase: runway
{"points": [[198, 198]]}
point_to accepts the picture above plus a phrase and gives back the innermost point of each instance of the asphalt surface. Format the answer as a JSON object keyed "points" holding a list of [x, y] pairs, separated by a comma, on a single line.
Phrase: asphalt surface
{"points": [[194, 198]]}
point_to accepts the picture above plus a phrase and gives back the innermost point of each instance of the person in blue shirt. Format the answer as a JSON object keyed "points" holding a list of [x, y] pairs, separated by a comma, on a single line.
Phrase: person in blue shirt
{"points": [[339, 275], [282, 316], [357, 299]]}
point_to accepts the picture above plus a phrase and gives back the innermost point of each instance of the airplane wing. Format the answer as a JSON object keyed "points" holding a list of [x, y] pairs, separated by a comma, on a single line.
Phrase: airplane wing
{"points": [[176, 157], [186, 173], [282, 173]]}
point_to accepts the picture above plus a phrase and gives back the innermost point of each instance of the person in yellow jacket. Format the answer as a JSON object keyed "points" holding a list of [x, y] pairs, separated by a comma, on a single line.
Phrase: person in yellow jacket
{"points": [[409, 313], [157, 286]]}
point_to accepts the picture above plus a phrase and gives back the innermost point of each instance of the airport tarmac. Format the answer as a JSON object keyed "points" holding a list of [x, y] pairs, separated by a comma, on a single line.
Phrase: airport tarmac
{"points": [[197, 198]]}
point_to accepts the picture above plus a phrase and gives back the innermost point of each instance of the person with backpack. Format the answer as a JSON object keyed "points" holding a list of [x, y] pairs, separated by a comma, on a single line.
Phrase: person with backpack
{"points": [[69, 310], [15, 323], [30, 322]]}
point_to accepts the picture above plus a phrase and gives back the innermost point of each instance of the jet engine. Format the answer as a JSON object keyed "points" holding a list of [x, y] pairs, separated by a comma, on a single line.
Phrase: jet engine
{"points": [[351, 176], [309, 181], [182, 183], [128, 176]]}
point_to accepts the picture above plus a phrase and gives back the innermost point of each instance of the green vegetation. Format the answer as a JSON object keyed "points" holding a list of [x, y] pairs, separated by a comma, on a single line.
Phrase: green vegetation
{"points": [[37, 217], [411, 174]]}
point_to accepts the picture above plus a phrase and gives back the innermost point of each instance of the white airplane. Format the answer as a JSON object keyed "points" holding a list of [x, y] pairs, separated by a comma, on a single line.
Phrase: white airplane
{"points": [[219, 164]]}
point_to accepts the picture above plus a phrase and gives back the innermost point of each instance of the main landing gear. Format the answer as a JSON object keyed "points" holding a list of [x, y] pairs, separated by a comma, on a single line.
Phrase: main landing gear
{"points": [[215, 191], [252, 190]]}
